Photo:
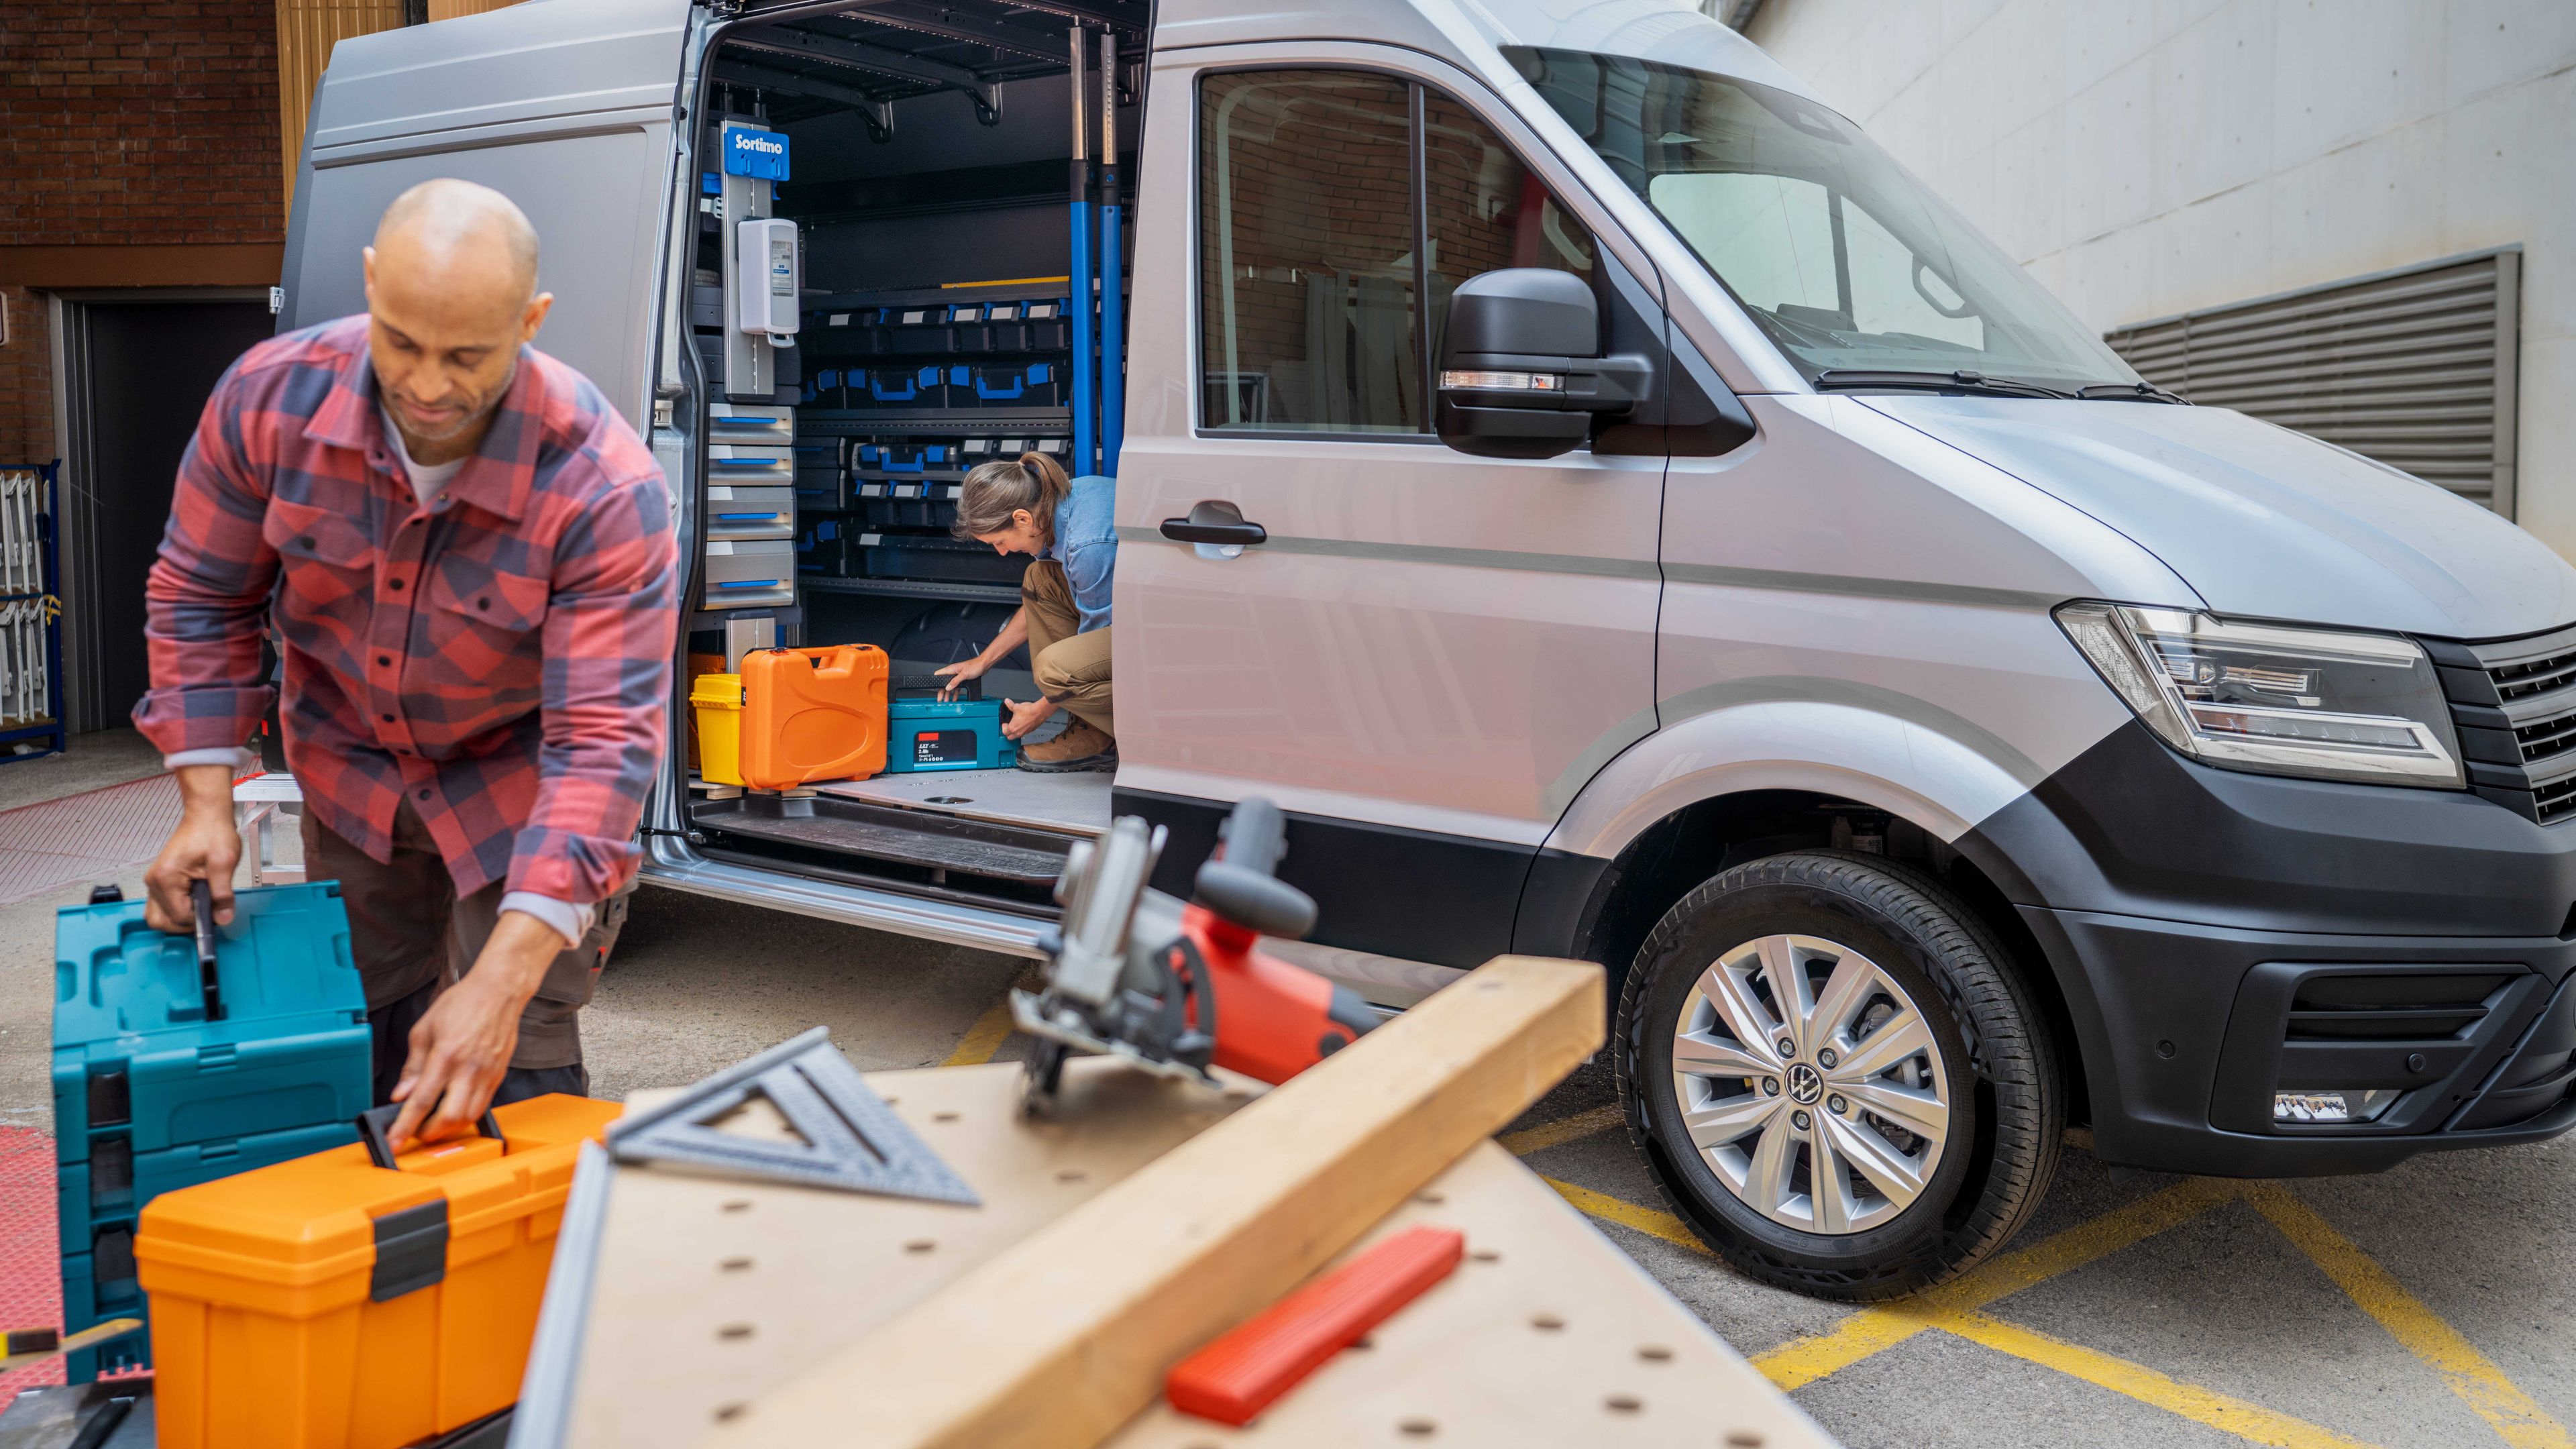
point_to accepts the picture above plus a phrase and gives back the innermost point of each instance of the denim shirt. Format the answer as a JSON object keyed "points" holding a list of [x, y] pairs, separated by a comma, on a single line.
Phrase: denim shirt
{"points": [[1086, 543]]}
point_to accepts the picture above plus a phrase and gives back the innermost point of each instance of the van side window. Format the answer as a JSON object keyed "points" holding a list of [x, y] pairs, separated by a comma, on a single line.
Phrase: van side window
{"points": [[1306, 244], [1309, 262], [1485, 210]]}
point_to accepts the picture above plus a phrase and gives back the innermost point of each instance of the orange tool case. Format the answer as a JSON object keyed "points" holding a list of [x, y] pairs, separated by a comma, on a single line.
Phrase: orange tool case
{"points": [[812, 714], [329, 1303]]}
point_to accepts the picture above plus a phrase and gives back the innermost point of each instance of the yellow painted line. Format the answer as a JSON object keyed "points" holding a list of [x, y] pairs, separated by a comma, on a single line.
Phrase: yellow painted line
{"points": [[1653, 1222], [1802, 1361], [2472, 1375], [984, 1038], [2190, 1401], [1560, 1131], [1004, 282]]}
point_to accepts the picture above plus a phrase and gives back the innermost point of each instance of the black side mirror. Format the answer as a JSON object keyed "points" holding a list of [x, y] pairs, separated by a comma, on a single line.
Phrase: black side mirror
{"points": [[1521, 368]]}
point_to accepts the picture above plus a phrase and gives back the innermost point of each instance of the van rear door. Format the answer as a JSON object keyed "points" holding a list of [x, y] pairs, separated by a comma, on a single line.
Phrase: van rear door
{"points": [[563, 107]]}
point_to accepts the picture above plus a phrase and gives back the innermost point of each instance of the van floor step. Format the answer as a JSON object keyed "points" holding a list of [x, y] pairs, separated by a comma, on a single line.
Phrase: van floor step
{"points": [[1065, 804], [879, 832]]}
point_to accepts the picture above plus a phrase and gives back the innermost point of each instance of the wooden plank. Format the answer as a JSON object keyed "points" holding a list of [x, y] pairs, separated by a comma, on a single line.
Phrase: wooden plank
{"points": [[1064, 1336], [712, 1292]]}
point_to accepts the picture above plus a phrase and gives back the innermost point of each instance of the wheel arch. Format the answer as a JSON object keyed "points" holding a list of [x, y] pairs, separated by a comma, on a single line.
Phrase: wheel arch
{"points": [[1604, 910]]}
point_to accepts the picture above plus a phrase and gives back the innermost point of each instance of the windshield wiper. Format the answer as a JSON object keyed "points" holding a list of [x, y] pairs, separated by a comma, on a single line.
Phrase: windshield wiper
{"points": [[1843, 379], [2129, 392]]}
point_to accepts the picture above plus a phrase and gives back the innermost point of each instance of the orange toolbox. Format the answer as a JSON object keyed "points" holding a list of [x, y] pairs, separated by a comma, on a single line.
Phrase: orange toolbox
{"points": [[802, 715], [336, 1303]]}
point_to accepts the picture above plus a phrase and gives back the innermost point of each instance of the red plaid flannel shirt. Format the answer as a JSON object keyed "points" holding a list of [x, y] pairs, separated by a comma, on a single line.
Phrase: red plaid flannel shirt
{"points": [[501, 657]]}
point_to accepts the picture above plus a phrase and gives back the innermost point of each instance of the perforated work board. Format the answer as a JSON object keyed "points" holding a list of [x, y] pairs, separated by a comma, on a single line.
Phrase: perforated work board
{"points": [[707, 1293]]}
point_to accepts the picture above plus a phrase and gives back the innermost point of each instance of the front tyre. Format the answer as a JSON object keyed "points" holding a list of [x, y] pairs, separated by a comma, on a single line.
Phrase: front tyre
{"points": [[1836, 1076]]}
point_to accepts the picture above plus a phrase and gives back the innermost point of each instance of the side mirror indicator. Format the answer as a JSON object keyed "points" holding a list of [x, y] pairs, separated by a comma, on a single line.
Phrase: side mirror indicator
{"points": [[1522, 373]]}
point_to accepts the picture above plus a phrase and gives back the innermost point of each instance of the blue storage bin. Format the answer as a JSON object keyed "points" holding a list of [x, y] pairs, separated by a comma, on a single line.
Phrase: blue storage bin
{"points": [[919, 331], [823, 490], [1029, 384], [823, 548], [84, 1306], [135, 1056], [113, 1185], [823, 389], [903, 457], [150, 1095], [899, 387], [930, 734]]}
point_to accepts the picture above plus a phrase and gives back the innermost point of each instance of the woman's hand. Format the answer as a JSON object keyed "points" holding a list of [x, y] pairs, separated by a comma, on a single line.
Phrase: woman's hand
{"points": [[1025, 717], [954, 676]]}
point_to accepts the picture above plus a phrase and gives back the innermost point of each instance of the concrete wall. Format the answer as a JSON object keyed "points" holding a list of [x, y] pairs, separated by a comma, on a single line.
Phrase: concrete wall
{"points": [[2146, 157]]}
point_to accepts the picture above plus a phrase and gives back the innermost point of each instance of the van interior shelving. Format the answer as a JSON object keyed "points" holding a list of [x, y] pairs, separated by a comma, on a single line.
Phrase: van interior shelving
{"points": [[922, 152]]}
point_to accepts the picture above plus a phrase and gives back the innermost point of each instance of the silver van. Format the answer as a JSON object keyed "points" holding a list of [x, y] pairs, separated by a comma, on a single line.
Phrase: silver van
{"points": [[1617, 512]]}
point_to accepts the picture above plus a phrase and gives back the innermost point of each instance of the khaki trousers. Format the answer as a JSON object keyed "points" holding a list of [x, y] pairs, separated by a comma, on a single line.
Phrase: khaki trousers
{"points": [[1072, 668], [411, 935]]}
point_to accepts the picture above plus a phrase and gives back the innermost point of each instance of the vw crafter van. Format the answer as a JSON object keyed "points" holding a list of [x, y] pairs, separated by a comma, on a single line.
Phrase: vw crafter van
{"points": [[1616, 511]]}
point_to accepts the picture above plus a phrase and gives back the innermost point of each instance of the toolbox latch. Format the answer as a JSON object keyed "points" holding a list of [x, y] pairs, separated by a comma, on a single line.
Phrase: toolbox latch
{"points": [[411, 1250]]}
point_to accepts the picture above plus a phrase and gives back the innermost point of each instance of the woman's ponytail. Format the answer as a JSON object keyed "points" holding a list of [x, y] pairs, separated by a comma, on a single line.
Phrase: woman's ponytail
{"points": [[994, 491]]}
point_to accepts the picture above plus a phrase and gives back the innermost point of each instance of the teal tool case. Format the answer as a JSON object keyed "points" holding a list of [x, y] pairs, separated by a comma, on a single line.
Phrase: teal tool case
{"points": [[925, 732], [160, 1083]]}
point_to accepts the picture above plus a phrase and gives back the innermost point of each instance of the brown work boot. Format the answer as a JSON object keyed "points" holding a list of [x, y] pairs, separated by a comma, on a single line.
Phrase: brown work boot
{"points": [[1081, 747]]}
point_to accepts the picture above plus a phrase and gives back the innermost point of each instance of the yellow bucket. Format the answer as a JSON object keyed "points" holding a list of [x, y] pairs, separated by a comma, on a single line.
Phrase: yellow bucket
{"points": [[716, 700]]}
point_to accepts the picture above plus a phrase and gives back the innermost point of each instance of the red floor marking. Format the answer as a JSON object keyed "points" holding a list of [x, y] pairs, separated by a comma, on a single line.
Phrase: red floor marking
{"points": [[31, 1266]]}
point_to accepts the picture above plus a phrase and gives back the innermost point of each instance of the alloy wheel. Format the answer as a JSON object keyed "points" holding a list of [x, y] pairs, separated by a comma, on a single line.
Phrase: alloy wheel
{"points": [[1810, 1082]]}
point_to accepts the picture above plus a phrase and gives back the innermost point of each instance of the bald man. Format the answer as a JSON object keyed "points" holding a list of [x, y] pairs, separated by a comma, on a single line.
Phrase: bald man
{"points": [[468, 559]]}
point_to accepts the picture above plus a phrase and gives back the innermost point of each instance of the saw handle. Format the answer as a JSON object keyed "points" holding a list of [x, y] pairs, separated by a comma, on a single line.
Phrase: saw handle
{"points": [[1270, 1019], [1253, 836], [1240, 883]]}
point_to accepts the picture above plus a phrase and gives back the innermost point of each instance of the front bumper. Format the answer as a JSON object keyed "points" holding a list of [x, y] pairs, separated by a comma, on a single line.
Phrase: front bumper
{"points": [[2220, 936], [2198, 1026]]}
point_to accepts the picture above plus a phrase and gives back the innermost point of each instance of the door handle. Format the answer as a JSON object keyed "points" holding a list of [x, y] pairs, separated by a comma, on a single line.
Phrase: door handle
{"points": [[1216, 521]]}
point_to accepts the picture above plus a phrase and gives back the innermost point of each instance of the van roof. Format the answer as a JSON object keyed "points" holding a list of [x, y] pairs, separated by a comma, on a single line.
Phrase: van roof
{"points": [[1469, 32]]}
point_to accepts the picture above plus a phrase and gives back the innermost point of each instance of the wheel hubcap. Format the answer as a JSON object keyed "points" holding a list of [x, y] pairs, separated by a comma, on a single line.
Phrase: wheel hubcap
{"points": [[1768, 1031]]}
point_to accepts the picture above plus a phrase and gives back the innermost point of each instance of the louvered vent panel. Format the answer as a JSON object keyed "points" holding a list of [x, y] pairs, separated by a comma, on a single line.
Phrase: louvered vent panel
{"points": [[2414, 368]]}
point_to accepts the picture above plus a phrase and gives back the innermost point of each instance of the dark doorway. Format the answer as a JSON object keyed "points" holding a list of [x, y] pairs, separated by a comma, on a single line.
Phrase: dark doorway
{"points": [[137, 378]]}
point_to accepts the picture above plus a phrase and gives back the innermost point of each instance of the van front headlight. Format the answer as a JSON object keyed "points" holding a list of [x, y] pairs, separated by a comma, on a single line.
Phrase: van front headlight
{"points": [[2275, 699]]}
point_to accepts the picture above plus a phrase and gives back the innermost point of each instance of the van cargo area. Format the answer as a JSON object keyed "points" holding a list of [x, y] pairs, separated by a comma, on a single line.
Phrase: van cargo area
{"points": [[918, 167]]}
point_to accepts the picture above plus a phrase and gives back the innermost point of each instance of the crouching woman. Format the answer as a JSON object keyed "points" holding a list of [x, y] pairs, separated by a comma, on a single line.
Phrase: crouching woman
{"points": [[1029, 506]]}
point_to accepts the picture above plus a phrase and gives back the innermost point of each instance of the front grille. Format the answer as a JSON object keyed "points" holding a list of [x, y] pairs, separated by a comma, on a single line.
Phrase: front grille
{"points": [[2514, 704]]}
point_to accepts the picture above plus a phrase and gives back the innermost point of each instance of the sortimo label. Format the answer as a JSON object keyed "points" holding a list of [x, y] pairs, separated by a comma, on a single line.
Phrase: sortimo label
{"points": [[755, 153]]}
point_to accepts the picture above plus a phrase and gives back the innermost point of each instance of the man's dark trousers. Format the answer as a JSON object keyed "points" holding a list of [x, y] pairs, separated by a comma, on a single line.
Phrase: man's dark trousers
{"points": [[412, 935]]}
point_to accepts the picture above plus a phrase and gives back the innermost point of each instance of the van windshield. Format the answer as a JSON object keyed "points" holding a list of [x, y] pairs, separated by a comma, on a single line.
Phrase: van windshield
{"points": [[1850, 264]]}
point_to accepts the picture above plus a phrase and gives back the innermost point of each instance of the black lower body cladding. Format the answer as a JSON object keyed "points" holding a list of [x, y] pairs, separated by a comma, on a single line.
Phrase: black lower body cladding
{"points": [[2221, 936]]}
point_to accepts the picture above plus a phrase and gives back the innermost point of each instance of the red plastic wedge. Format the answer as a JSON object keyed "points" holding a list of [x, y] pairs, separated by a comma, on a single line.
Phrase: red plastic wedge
{"points": [[1238, 1374]]}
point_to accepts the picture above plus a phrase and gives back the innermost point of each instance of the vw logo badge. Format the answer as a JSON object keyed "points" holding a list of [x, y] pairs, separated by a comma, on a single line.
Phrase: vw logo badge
{"points": [[1805, 1085]]}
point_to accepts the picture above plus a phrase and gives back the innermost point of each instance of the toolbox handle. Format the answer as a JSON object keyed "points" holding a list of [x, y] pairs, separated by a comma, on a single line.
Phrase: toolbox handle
{"points": [[201, 902], [967, 693], [374, 1123]]}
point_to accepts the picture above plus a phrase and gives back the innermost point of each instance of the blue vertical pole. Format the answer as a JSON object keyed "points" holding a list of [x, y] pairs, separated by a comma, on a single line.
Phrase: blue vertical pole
{"points": [[1113, 248], [1080, 273]]}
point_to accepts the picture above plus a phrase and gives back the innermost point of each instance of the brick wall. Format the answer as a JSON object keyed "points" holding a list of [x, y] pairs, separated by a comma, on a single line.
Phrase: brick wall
{"points": [[127, 123]]}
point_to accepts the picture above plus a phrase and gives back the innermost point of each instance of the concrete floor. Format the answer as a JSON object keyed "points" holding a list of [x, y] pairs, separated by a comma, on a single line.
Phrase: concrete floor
{"points": [[2220, 1329], [94, 761]]}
